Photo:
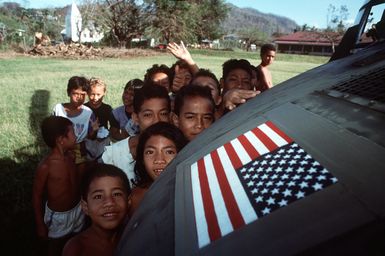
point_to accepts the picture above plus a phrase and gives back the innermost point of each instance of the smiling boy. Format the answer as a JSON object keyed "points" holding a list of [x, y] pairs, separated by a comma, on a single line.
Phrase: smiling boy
{"points": [[105, 199]]}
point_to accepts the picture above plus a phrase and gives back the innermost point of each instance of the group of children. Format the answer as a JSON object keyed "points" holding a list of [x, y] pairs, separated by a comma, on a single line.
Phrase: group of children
{"points": [[103, 160]]}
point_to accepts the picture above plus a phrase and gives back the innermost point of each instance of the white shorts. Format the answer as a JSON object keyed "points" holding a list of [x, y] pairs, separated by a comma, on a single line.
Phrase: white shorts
{"points": [[63, 223]]}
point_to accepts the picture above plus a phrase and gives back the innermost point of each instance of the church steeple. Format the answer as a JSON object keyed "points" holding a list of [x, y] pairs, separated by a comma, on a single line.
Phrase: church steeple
{"points": [[73, 22]]}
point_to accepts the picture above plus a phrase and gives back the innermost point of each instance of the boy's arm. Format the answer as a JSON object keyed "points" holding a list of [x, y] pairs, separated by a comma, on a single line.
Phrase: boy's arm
{"points": [[234, 97], [37, 199], [115, 132]]}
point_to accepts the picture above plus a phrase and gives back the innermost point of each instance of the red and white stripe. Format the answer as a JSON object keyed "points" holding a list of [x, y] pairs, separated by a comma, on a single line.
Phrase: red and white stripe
{"points": [[221, 204]]}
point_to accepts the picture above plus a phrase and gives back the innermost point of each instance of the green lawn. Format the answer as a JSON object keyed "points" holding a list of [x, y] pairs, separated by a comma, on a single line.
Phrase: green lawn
{"points": [[31, 86]]}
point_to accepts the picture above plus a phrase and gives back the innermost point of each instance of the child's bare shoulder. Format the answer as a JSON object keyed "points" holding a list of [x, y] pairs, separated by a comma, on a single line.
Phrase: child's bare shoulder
{"points": [[87, 243], [53, 162], [75, 246]]}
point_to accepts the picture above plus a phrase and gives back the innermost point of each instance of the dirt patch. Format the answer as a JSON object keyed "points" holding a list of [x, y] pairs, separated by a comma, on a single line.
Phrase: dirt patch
{"points": [[9, 54], [80, 51]]}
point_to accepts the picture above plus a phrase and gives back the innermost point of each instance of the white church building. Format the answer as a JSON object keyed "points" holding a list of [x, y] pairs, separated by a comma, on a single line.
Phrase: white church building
{"points": [[73, 25]]}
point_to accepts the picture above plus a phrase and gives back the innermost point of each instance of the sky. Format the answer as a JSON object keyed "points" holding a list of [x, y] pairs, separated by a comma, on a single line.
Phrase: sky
{"points": [[310, 12]]}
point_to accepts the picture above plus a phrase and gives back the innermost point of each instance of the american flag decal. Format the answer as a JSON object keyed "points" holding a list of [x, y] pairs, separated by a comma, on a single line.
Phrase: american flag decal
{"points": [[248, 177]]}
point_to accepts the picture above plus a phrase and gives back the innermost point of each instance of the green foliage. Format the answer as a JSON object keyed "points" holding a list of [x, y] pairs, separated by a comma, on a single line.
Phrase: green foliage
{"points": [[20, 24], [190, 21], [169, 19], [122, 20], [253, 35], [209, 15]]}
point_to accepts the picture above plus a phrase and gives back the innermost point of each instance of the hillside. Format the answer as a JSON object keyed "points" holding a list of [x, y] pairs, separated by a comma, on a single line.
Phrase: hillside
{"points": [[241, 18]]}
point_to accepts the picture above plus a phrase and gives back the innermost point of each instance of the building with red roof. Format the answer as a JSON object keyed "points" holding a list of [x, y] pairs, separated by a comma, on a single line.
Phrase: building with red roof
{"points": [[308, 42]]}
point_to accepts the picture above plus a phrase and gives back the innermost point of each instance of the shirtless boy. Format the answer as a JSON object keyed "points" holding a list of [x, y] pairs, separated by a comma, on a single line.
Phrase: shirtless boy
{"points": [[105, 199], [265, 80], [57, 178]]}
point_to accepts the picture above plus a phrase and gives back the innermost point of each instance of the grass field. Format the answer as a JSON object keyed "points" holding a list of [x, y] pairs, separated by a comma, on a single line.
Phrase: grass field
{"points": [[30, 86]]}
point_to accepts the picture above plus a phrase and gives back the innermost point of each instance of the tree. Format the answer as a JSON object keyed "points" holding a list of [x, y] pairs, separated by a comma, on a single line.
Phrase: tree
{"points": [[336, 18], [170, 19], [121, 19], [336, 24], [124, 19], [211, 14], [189, 20], [253, 36]]}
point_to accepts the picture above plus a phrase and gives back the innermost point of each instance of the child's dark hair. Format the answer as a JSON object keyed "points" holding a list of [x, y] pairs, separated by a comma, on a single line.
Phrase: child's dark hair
{"points": [[163, 129], [100, 170], [156, 69], [134, 84], [53, 127], [191, 91], [77, 82], [267, 47], [232, 64], [150, 91], [207, 73]]}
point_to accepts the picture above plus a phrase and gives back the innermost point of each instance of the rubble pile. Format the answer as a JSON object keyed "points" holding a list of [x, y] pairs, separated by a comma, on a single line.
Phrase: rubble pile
{"points": [[81, 51], [66, 50]]}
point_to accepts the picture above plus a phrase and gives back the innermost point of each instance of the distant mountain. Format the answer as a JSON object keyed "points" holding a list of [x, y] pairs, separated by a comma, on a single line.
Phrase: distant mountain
{"points": [[241, 18]]}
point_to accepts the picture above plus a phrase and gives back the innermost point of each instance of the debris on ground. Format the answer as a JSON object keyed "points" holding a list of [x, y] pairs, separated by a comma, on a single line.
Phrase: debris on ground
{"points": [[81, 51]]}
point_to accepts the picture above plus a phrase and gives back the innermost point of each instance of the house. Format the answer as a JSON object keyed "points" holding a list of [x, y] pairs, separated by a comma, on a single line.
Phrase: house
{"points": [[308, 42], [73, 27]]}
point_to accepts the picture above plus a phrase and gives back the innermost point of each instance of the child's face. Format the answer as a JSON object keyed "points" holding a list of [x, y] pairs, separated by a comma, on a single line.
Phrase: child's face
{"points": [[128, 97], [77, 96], [96, 94], [69, 141], [106, 203], [187, 76], [158, 153], [161, 79], [195, 115], [209, 82], [268, 58], [152, 111], [237, 78]]}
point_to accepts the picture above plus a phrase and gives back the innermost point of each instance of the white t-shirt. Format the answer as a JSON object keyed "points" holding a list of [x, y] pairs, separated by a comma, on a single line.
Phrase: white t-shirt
{"points": [[119, 155], [81, 122]]}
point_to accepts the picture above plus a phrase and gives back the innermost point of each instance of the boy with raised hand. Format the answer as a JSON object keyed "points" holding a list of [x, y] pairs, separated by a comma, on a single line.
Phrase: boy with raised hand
{"points": [[158, 75], [205, 77], [194, 110], [105, 199], [184, 69], [265, 80], [57, 178], [151, 105]]}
